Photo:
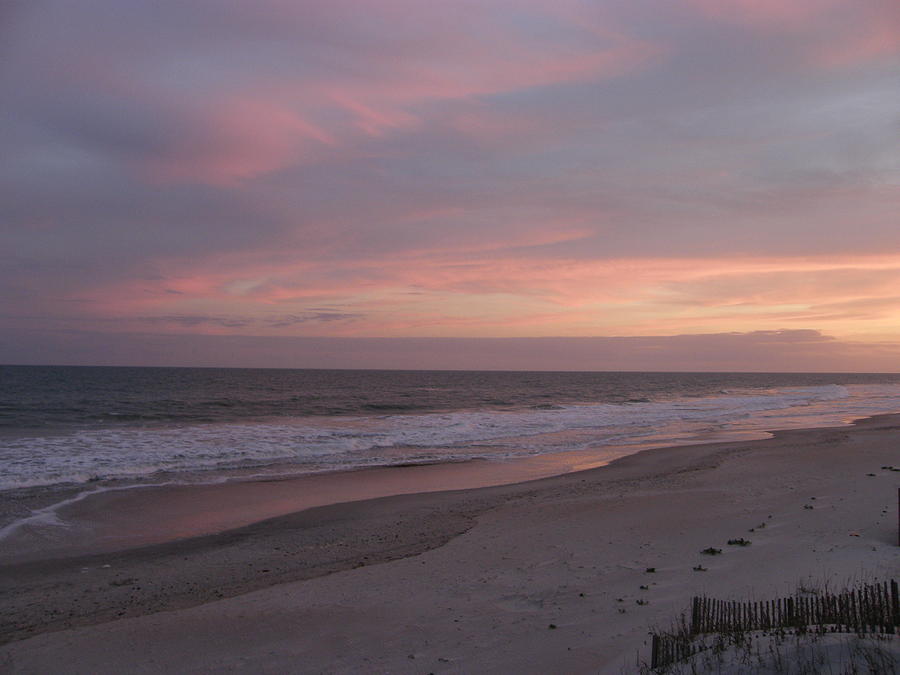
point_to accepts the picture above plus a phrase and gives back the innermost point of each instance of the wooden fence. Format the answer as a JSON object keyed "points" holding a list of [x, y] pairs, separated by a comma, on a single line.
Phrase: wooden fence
{"points": [[872, 608], [667, 649]]}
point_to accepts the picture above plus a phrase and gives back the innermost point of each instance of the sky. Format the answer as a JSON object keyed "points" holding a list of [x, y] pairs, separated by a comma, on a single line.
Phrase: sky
{"points": [[537, 184]]}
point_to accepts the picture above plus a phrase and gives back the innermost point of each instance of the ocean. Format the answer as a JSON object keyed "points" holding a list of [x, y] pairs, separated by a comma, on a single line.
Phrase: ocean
{"points": [[65, 427]]}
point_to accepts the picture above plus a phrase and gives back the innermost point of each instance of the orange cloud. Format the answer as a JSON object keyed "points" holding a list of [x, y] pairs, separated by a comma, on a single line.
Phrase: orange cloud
{"points": [[447, 293]]}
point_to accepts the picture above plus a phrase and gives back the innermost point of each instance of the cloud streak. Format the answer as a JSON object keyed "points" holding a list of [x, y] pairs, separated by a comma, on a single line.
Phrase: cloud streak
{"points": [[765, 351]]}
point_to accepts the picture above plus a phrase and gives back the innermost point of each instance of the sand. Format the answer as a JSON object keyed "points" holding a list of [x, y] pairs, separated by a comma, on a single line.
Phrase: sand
{"points": [[535, 577]]}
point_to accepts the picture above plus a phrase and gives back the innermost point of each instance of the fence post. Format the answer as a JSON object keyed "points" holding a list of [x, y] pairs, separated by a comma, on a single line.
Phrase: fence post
{"points": [[895, 606], [868, 598]]}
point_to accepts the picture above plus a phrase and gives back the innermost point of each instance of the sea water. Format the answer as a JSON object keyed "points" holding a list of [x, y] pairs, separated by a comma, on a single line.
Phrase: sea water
{"points": [[71, 426]]}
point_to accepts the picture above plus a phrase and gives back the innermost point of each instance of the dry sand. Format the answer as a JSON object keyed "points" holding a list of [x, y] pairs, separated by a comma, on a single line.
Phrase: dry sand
{"points": [[471, 581]]}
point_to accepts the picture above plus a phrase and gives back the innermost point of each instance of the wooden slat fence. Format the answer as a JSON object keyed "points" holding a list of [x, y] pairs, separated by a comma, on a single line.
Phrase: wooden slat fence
{"points": [[872, 608]]}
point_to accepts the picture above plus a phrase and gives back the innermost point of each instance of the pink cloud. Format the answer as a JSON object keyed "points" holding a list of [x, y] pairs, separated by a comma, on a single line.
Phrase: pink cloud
{"points": [[833, 33], [238, 139], [769, 14], [441, 55], [372, 121], [876, 41]]}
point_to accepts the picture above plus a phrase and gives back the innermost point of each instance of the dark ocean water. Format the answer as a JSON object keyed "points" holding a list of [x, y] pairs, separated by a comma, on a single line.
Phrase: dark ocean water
{"points": [[63, 425]]}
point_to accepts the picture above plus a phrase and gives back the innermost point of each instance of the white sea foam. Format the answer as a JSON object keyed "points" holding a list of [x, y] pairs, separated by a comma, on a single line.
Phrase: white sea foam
{"points": [[317, 443], [49, 515]]}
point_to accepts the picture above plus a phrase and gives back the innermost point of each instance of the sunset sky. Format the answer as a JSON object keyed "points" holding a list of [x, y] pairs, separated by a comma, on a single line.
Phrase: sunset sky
{"points": [[640, 184]]}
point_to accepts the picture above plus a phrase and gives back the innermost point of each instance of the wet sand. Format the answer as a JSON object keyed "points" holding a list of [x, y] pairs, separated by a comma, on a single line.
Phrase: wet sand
{"points": [[114, 518], [471, 580]]}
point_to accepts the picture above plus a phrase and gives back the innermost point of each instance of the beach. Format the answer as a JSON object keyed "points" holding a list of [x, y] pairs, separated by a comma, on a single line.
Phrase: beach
{"points": [[548, 575], [546, 337]]}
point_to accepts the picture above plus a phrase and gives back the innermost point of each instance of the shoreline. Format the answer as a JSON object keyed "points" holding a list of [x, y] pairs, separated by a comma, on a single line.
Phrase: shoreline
{"points": [[113, 518], [26, 493], [345, 548]]}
